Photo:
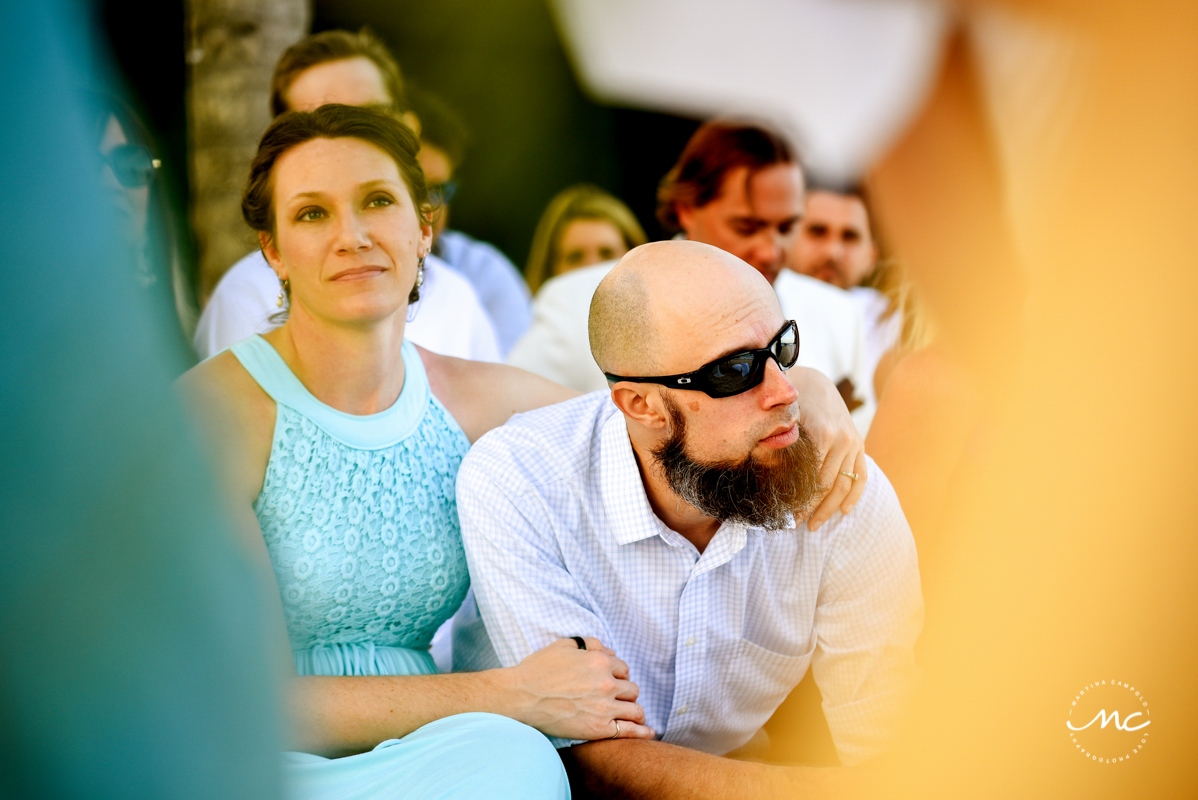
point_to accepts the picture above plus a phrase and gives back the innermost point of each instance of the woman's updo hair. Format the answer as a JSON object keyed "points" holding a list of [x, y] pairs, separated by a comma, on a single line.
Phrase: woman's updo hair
{"points": [[332, 121]]}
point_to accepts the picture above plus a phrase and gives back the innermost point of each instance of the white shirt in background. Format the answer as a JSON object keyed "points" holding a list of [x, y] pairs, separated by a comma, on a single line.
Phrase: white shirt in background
{"points": [[448, 319], [499, 285], [556, 345]]}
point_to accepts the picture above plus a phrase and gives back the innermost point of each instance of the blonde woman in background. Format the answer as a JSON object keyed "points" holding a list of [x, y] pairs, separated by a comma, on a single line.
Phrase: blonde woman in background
{"points": [[583, 225]]}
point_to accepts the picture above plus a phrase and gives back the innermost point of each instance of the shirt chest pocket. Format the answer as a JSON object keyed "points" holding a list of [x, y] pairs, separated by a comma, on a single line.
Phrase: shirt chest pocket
{"points": [[757, 680]]}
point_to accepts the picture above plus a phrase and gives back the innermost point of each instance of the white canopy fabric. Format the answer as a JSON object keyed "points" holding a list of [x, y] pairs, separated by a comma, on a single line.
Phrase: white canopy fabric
{"points": [[842, 77]]}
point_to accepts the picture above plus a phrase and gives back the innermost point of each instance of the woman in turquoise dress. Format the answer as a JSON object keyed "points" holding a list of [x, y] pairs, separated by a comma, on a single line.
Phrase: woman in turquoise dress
{"points": [[344, 445]]}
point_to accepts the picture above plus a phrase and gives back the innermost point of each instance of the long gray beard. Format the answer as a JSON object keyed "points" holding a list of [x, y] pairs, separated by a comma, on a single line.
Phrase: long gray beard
{"points": [[746, 491]]}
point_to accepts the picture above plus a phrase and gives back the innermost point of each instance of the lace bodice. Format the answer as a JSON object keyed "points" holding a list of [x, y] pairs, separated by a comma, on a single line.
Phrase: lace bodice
{"points": [[359, 513]]}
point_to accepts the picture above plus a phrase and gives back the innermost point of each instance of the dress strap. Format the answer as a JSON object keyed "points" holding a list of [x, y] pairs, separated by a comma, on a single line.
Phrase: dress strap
{"points": [[371, 431]]}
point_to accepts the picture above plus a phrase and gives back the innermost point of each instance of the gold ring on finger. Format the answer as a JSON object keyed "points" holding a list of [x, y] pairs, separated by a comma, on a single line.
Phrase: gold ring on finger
{"points": [[851, 475], [616, 735]]}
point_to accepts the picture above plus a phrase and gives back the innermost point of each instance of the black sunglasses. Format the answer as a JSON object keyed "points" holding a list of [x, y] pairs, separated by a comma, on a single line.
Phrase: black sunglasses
{"points": [[132, 164], [732, 374]]}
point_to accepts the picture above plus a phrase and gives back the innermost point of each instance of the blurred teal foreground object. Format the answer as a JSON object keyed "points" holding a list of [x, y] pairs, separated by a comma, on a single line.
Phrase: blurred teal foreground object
{"points": [[132, 644]]}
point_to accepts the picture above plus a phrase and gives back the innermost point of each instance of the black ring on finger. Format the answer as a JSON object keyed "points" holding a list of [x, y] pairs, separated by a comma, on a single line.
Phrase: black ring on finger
{"points": [[578, 640]]}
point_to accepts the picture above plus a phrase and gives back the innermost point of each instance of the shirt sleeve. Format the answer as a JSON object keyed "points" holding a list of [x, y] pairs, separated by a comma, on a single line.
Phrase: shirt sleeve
{"points": [[500, 286], [468, 310], [524, 590], [525, 593], [449, 319], [868, 616]]}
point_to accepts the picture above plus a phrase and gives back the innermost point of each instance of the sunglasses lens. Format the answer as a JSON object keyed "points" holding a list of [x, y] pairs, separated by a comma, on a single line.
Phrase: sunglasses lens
{"points": [[786, 349], [734, 375]]}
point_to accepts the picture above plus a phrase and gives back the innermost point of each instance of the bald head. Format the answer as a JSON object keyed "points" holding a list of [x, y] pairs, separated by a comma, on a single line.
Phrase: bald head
{"points": [[665, 306]]}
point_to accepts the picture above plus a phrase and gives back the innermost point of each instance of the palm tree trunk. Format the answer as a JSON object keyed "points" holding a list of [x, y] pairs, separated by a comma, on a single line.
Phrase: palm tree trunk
{"points": [[232, 47]]}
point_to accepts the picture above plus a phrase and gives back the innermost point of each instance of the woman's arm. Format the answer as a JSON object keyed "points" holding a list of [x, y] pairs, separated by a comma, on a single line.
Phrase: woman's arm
{"points": [[559, 690]]}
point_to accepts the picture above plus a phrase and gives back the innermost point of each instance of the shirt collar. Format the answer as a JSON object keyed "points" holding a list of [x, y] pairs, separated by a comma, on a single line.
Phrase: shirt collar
{"points": [[629, 515]]}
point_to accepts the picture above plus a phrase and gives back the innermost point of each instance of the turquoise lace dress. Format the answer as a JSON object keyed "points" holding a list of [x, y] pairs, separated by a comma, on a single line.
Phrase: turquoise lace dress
{"points": [[359, 516]]}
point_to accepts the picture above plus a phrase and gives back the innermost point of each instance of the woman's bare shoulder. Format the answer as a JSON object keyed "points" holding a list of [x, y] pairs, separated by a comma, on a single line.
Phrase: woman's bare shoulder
{"points": [[220, 374], [482, 396], [224, 394]]}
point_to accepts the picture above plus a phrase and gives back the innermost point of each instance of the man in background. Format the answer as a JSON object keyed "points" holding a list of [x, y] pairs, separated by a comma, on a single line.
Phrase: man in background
{"points": [[738, 187], [836, 244]]}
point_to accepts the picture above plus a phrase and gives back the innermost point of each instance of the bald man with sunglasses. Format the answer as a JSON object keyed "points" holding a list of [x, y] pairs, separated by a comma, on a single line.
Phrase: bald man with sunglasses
{"points": [[665, 518]]}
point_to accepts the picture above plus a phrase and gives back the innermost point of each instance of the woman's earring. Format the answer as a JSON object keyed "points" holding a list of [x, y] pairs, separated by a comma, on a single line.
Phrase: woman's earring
{"points": [[284, 285], [414, 295]]}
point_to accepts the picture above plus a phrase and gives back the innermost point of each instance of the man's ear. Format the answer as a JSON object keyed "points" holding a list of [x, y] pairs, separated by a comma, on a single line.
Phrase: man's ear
{"points": [[267, 243], [641, 402]]}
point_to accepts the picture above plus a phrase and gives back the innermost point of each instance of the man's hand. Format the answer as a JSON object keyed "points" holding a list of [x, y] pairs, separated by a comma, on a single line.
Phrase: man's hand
{"points": [[823, 414]]}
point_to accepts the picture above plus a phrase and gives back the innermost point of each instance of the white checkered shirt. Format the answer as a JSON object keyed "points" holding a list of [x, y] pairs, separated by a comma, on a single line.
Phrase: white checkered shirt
{"points": [[561, 541]]}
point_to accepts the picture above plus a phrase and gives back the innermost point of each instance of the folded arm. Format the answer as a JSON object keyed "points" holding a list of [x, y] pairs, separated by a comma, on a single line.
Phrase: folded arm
{"points": [[867, 619], [651, 769], [560, 690]]}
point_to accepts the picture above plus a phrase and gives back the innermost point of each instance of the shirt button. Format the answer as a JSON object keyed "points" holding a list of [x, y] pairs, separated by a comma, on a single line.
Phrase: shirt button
{"points": [[690, 641], [684, 709]]}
